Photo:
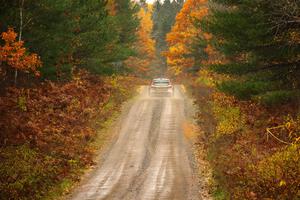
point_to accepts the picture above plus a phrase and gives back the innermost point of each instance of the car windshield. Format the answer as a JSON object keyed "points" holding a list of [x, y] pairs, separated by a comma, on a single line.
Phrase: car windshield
{"points": [[161, 82]]}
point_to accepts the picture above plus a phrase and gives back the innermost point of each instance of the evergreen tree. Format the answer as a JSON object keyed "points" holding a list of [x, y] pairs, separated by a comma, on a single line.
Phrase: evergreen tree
{"points": [[74, 33], [164, 17], [43, 25], [92, 30], [261, 42], [127, 23]]}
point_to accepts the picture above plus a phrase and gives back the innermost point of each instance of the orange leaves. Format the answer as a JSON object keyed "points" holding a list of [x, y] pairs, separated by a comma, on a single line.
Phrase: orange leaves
{"points": [[9, 36], [111, 7], [183, 35], [199, 14], [15, 55], [207, 36], [145, 42], [209, 50], [58, 121], [144, 46]]}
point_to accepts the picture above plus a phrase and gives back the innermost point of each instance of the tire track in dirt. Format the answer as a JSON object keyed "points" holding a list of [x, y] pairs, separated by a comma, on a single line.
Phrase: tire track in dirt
{"points": [[150, 159]]}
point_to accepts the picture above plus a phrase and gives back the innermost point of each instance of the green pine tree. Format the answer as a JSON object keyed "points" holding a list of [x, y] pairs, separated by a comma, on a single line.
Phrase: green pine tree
{"points": [[260, 40], [164, 18]]}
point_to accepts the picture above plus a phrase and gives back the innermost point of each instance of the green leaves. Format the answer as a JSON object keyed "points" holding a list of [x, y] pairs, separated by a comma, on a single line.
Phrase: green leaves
{"points": [[81, 34], [254, 44], [244, 90], [277, 98]]}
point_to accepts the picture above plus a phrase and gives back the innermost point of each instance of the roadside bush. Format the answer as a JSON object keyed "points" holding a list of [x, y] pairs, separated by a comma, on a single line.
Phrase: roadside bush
{"points": [[205, 78], [229, 120], [47, 131], [278, 176], [228, 116], [25, 173]]}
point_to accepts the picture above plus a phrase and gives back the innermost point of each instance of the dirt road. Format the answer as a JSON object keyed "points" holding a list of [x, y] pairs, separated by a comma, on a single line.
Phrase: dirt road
{"points": [[150, 158]]}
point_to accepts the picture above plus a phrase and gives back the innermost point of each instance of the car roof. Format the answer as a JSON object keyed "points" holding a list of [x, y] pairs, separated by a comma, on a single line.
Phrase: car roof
{"points": [[161, 79]]}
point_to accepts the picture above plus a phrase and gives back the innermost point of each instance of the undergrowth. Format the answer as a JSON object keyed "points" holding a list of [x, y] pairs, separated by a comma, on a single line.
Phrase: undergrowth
{"points": [[48, 132], [254, 148]]}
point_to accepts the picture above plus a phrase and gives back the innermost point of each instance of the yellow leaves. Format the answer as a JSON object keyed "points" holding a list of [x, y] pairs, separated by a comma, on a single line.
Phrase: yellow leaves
{"points": [[282, 167], [176, 70], [205, 78], [230, 119], [282, 183], [178, 50], [183, 34], [287, 133], [199, 14], [295, 37], [145, 45], [22, 103], [190, 130]]}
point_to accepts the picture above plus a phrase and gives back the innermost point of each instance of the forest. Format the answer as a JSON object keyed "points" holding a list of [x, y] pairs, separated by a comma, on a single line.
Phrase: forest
{"points": [[66, 67], [241, 62]]}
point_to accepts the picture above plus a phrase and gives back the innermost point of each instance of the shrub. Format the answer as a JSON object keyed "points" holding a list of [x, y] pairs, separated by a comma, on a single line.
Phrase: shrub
{"points": [[278, 176], [25, 173], [47, 131], [205, 78], [229, 119]]}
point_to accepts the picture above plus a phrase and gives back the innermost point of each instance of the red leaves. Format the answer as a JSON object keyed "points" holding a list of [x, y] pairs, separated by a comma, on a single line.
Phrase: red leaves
{"points": [[56, 116]]}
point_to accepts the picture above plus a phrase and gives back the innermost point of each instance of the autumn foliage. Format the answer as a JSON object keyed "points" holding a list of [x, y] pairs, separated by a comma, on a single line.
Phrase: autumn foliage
{"points": [[47, 131], [183, 35], [242, 73], [14, 55], [144, 46], [248, 162], [49, 128]]}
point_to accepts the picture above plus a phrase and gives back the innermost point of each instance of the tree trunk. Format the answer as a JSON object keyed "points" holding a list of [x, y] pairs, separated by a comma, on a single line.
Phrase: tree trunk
{"points": [[20, 33]]}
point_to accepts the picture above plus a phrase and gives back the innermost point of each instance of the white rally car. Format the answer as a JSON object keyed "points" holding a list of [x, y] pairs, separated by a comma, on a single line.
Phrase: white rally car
{"points": [[161, 87]]}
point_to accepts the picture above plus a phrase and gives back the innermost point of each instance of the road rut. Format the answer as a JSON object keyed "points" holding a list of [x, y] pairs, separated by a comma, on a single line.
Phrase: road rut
{"points": [[150, 158]]}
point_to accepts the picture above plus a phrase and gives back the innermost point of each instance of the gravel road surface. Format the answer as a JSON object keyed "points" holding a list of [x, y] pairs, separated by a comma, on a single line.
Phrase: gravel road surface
{"points": [[150, 157]]}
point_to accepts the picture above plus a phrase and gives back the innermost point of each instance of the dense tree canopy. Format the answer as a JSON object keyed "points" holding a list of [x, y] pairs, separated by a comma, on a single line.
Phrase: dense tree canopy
{"points": [[69, 34], [66, 67], [141, 63], [261, 43], [180, 54], [256, 42], [242, 59], [164, 14]]}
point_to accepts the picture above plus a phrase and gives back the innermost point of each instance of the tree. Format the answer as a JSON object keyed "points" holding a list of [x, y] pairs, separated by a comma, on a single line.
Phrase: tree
{"points": [[14, 56], [144, 46], [260, 40], [180, 55], [92, 34], [163, 18]]}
